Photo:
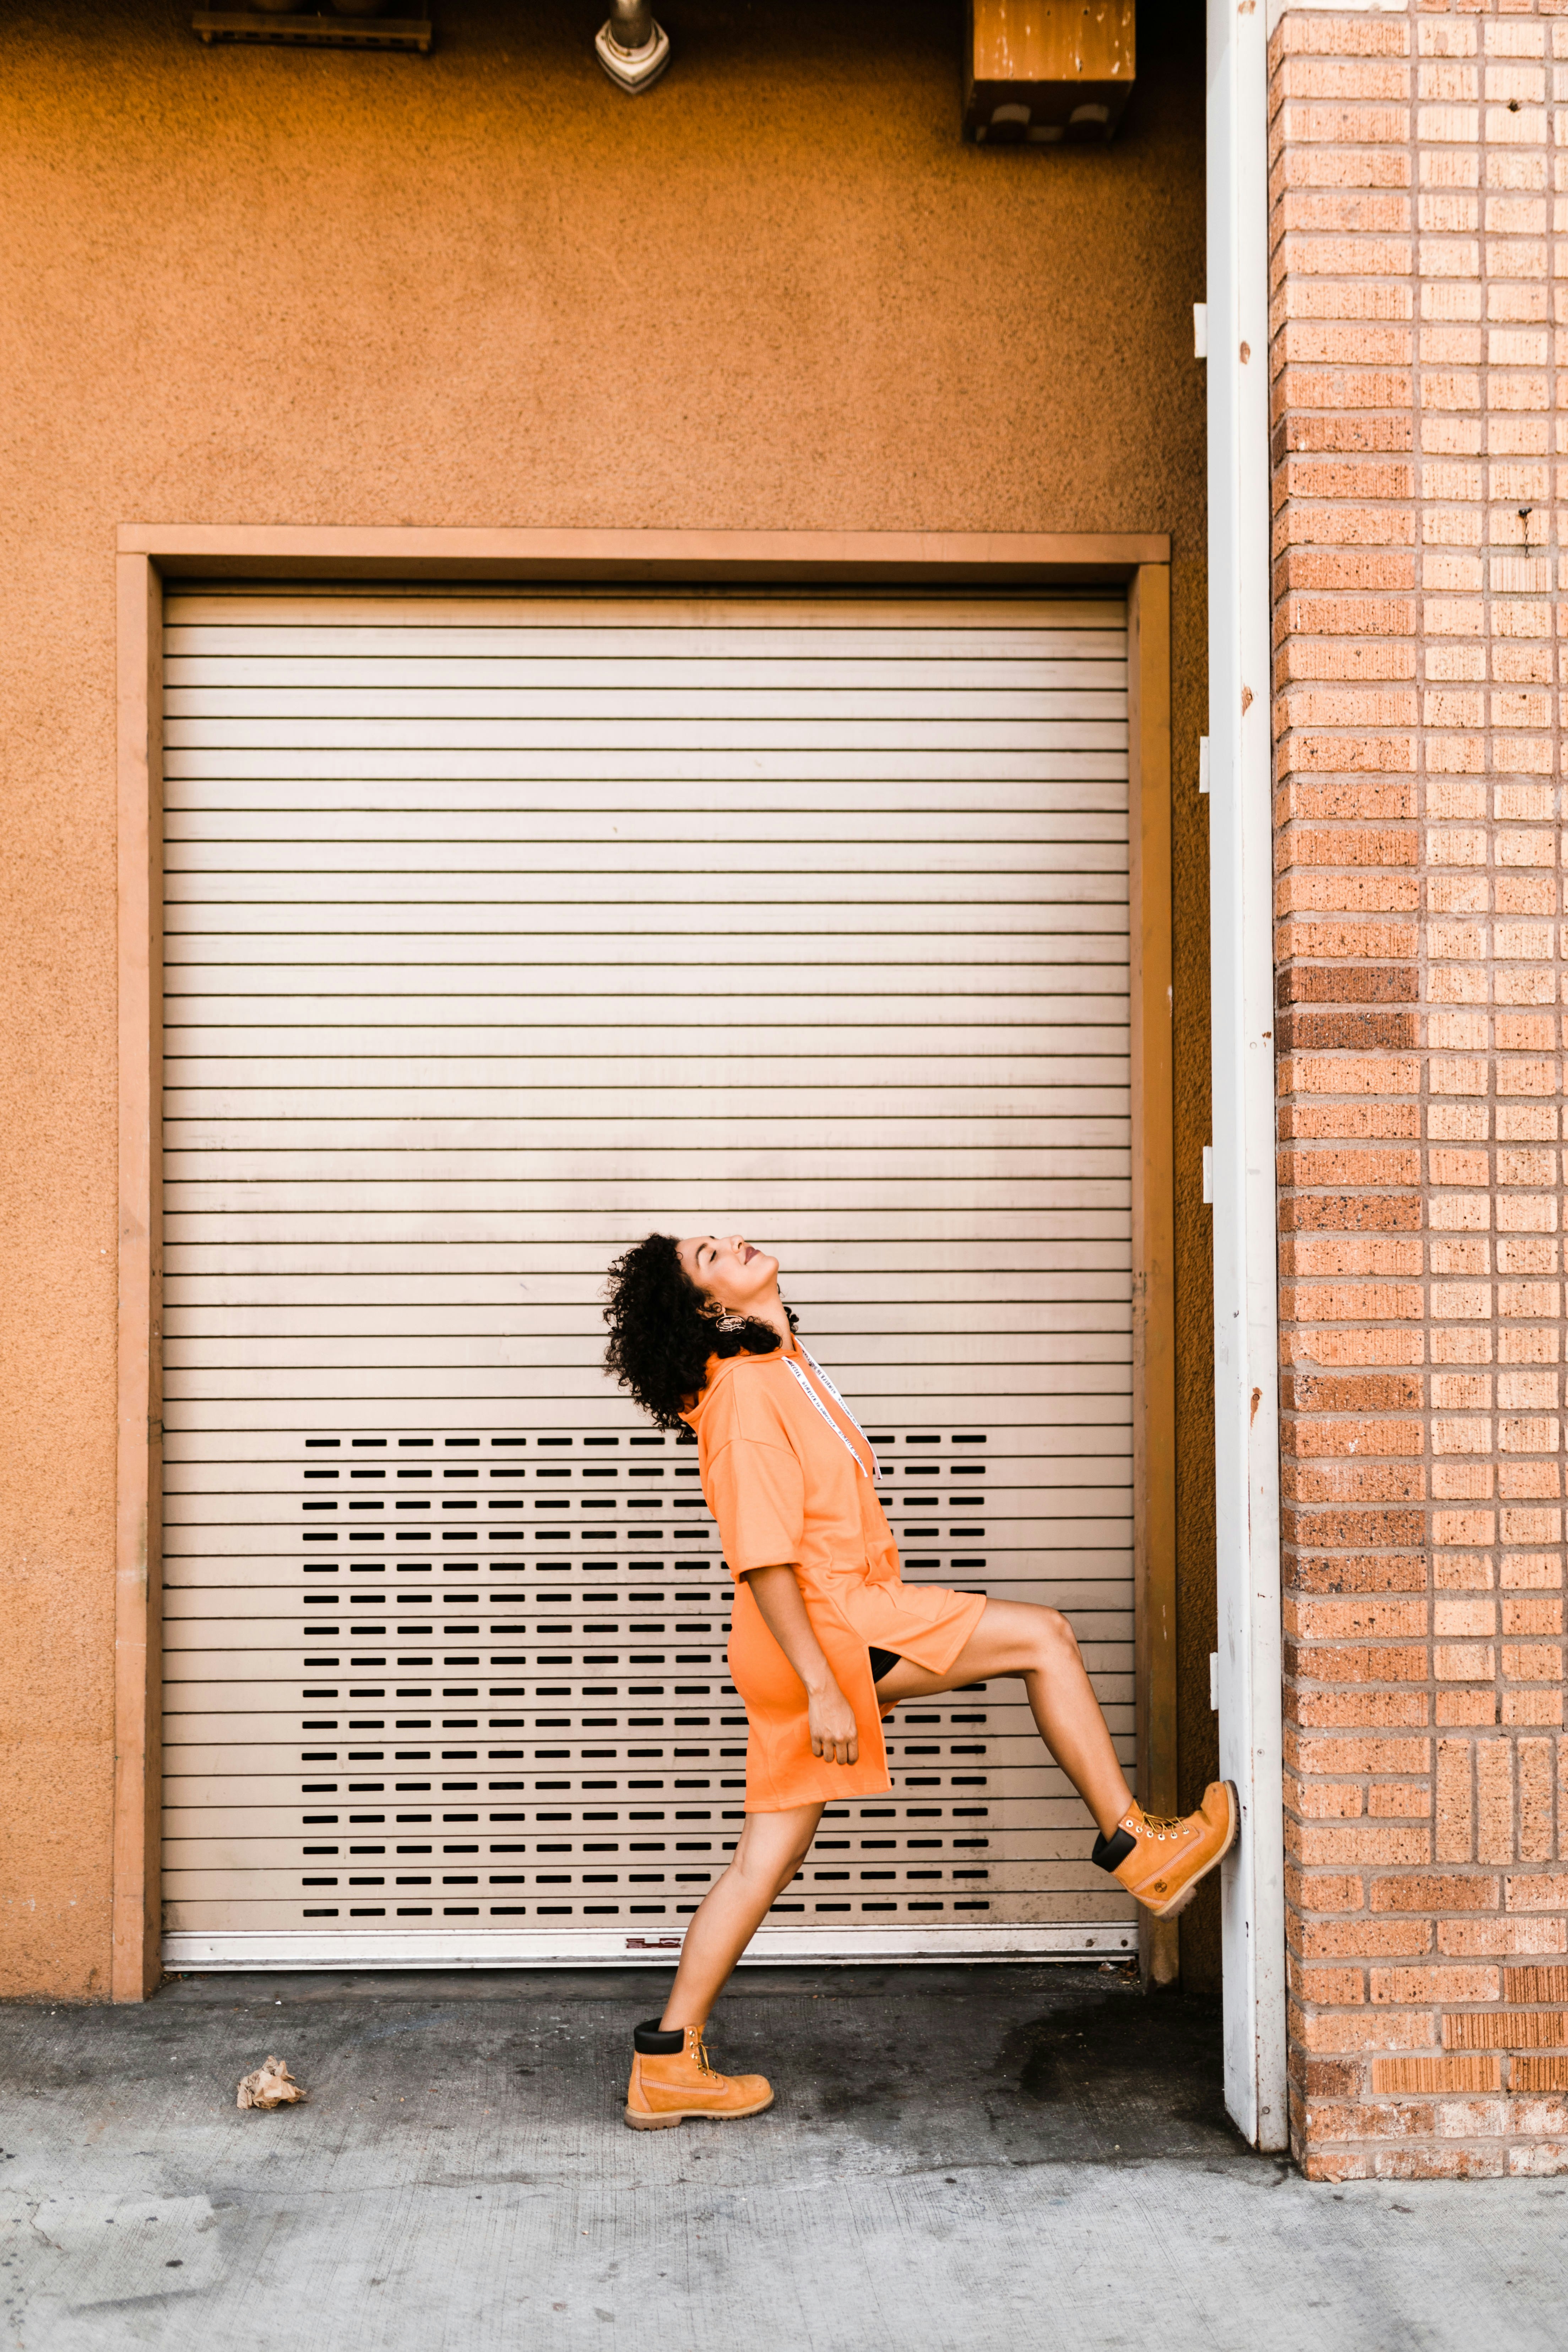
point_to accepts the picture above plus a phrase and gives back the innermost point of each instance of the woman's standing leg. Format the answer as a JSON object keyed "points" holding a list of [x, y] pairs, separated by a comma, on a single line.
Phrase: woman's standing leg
{"points": [[770, 1850], [671, 2078]]}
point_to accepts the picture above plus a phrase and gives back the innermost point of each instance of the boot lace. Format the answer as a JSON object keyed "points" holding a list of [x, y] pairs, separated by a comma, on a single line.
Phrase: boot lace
{"points": [[1161, 1825], [699, 2051]]}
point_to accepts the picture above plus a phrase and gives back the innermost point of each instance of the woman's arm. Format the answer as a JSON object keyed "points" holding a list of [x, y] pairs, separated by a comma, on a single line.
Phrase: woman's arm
{"points": [[834, 1735]]}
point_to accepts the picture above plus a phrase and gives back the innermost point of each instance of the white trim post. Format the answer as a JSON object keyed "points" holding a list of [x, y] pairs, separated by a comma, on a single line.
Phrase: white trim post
{"points": [[1246, 1288]]}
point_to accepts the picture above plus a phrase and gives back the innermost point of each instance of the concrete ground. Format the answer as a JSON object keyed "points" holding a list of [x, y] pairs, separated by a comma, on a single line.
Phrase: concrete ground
{"points": [[960, 2160]]}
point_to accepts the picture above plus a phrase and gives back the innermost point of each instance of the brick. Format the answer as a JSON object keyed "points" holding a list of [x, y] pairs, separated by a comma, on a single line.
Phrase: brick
{"points": [[1334, 1572], [1422, 1986], [1337, 1618], [1537, 2074], [1333, 2078], [1303, 845], [1536, 1984], [1303, 478], [1537, 1893], [1318, 76], [1352, 1030], [1329, 1894], [1432, 1894], [1370, 2123], [1351, 1254], [1471, 2119], [1322, 1800], [1328, 938], [1346, 527], [1429, 2163], [1342, 800], [1350, 1213], [1366, 1938], [1368, 1393], [1454, 1708], [1384, 1343], [1464, 1616], [1336, 1475], [1379, 36], [1334, 1169], [1347, 616], [1531, 1661], [1336, 2031], [1332, 1710], [1430, 2075], [1498, 1937], [1353, 1302], [1333, 1987], [1344, 434], [1456, 1812], [1506, 2029], [1364, 2122], [1337, 2165], [1330, 658], [1464, 1662], [1354, 1527], [1494, 1799], [1301, 1119], [1363, 1073], [1531, 1706], [1361, 1663], [1320, 1845]]}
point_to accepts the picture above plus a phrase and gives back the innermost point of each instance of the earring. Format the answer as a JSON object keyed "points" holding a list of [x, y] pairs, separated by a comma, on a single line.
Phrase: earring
{"points": [[731, 1323]]}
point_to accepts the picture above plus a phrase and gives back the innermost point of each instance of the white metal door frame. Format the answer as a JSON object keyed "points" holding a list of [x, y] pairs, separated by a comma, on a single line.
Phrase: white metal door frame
{"points": [[1246, 1291]]}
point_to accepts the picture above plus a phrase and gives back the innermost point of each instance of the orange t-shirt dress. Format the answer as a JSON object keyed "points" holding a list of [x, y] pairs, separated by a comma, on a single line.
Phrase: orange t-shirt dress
{"points": [[791, 1478]]}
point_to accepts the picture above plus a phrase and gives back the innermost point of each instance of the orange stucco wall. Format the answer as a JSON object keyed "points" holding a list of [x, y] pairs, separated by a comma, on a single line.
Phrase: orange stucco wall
{"points": [[270, 286]]}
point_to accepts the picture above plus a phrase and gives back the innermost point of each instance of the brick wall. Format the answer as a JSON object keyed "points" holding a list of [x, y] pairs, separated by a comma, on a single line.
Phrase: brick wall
{"points": [[1419, 182]]}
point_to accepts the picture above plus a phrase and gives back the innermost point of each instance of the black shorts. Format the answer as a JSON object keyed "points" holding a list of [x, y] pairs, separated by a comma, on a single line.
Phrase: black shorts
{"points": [[882, 1662]]}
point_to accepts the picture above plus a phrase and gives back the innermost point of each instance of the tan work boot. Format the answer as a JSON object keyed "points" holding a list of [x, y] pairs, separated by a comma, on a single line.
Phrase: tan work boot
{"points": [[672, 2079], [1161, 1858]]}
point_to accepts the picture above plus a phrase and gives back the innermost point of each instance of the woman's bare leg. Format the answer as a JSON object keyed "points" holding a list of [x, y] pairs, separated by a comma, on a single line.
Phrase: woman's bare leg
{"points": [[769, 1850], [1015, 1637]]}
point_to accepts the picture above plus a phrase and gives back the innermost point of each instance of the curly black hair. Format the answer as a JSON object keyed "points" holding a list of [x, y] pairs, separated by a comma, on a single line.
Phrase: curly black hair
{"points": [[662, 1330]]}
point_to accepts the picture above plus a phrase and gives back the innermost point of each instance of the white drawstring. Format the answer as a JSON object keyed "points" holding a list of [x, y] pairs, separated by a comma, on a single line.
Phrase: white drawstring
{"points": [[875, 1471]]}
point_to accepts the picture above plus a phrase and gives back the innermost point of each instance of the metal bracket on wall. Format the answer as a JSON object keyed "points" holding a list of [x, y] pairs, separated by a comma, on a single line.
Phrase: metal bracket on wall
{"points": [[327, 32]]}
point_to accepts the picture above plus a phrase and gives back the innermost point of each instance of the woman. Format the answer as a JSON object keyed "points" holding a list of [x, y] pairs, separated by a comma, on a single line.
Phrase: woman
{"points": [[826, 1636]]}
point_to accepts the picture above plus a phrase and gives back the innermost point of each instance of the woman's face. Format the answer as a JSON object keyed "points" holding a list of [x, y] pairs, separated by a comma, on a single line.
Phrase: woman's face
{"points": [[735, 1274]]}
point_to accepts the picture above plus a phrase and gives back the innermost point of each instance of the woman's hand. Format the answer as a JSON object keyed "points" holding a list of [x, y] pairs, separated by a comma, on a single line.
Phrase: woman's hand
{"points": [[830, 1717], [834, 1735]]}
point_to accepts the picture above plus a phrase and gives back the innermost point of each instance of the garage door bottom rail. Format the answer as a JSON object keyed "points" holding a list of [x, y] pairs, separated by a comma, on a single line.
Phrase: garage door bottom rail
{"points": [[590, 1948]]}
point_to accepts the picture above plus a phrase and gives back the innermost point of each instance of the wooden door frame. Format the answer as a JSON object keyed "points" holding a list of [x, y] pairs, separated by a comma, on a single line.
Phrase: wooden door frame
{"points": [[148, 556]]}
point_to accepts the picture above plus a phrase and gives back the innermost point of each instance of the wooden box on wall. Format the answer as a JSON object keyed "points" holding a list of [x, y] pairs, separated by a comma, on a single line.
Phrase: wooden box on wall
{"points": [[1038, 71]]}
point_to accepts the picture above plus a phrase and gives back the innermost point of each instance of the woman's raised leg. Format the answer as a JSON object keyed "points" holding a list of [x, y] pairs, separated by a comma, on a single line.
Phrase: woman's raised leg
{"points": [[1160, 1860], [769, 1850], [1019, 1638], [1015, 1637]]}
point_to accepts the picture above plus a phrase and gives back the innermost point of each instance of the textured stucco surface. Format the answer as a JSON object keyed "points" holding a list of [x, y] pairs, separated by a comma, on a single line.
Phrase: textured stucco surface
{"points": [[275, 286]]}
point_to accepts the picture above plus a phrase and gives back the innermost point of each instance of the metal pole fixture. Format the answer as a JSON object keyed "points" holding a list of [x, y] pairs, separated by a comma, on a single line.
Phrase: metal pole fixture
{"points": [[633, 49]]}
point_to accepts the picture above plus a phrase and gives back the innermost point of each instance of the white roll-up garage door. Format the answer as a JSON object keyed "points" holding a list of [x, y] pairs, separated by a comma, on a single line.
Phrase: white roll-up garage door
{"points": [[498, 931]]}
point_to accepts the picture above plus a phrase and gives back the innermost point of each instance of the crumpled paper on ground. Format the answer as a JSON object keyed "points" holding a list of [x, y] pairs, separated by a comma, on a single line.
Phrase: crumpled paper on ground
{"points": [[270, 2085]]}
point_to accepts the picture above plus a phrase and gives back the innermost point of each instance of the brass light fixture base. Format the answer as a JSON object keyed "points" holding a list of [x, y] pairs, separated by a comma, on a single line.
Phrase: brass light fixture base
{"points": [[632, 70]]}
